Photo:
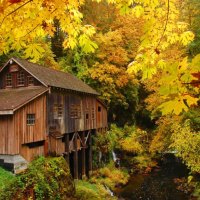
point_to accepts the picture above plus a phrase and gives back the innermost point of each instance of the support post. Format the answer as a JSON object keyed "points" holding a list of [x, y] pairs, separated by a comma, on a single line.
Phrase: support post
{"points": [[67, 148], [75, 157], [83, 154], [90, 152]]}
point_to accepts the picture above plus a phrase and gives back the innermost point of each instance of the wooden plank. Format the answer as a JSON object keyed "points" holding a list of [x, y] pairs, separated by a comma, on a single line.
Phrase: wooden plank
{"points": [[8, 142], [25, 134]]}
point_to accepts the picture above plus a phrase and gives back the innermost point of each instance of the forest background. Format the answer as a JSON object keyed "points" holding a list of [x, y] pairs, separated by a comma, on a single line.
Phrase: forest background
{"points": [[142, 56]]}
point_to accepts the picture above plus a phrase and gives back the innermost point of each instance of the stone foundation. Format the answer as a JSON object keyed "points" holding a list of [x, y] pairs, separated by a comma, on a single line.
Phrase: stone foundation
{"points": [[14, 163]]}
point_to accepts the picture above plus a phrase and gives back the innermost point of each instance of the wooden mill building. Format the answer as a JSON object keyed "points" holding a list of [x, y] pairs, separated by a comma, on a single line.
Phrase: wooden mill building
{"points": [[45, 111]]}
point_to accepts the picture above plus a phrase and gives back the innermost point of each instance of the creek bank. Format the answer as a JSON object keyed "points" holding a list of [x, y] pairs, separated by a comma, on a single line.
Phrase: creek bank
{"points": [[159, 184]]}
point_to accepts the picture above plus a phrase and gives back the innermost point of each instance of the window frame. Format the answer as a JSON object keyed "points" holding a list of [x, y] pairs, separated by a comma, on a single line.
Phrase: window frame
{"points": [[10, 80], [58, 111], [20, 78], [30, 119], [75, 111], [30, 80]]}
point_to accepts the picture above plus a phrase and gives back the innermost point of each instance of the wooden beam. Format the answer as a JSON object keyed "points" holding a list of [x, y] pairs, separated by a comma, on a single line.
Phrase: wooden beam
{"points": [[75, 157], [83, 155], [67, 147], [90, 151], [6, 112]]}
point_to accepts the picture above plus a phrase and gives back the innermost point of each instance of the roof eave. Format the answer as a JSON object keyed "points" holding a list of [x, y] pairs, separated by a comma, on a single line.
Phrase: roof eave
{"points": [[21, 105], [77, 91], [12, 110], [23, 68], [5, 65], [29, 72], [6, 112]]}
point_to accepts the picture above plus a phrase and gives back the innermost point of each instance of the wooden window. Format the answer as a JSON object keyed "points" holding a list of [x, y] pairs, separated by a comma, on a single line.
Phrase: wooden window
{"points": [[58, 111], [8, 80], [87, 116], [30, 120], [20, 79], [30, 80], [75, 111]]}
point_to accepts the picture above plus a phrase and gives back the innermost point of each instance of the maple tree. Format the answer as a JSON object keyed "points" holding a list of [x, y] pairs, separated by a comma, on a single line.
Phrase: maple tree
{"points": [[112, 43], [190, 13], [25, 24], [105, 69]]}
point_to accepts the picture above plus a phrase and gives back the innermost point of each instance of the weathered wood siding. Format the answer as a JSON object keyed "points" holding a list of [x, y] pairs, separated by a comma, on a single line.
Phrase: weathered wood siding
{"points": [[8, 142], [56, 113], [31, 133], [14, 74], [56, 145], [101, 116], [30, 153], [70, 112], [15, 133]]}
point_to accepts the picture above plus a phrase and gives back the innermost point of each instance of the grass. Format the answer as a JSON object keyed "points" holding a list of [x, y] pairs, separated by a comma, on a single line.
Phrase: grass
{"points": [[5, 177], [86, 190]]}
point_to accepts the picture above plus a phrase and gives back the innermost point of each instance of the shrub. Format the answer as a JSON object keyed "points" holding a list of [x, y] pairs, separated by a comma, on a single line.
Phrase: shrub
{"points": [[5, 178], [45, 178], [89, 191], [186, 142], [110, 176]]}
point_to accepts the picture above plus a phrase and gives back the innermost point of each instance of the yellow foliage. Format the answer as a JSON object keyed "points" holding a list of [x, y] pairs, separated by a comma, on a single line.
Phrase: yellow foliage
{"points": [[161, 139], [109, 176], [23, 22], [186, 142], [131, 144]]}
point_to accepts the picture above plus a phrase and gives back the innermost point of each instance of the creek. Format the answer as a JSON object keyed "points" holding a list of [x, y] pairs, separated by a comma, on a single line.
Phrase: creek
{"points": [[157, 185]]}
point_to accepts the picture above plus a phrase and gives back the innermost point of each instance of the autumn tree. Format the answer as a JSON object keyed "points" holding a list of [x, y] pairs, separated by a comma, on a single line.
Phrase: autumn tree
{"points": [[105, 70], [24, 25], [190, 12]]}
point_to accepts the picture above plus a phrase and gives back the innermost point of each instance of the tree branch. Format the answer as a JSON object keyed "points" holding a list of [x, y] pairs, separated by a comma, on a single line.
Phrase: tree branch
{"points": [[165, 27], [14, 11]]}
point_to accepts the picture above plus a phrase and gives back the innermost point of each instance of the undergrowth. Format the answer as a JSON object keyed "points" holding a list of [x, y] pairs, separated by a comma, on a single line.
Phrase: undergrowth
{"points": [[5, 178], [45, 178]]}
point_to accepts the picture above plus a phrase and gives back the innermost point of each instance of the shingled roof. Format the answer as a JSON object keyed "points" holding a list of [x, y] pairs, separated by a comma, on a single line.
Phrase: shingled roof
{"points": [[55, 78], [12, 99]]}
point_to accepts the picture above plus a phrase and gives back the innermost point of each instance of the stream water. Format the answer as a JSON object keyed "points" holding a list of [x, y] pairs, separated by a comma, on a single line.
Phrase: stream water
{"points": [[158, 185]]}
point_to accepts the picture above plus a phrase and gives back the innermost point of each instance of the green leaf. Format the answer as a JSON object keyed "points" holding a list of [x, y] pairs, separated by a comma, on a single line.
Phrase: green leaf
{"points": [[34, 51], [195, 64], [149, 72], [86, 44], [175, 106]]}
